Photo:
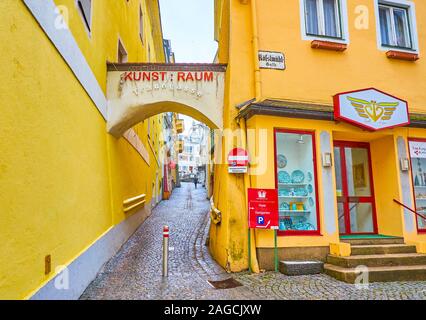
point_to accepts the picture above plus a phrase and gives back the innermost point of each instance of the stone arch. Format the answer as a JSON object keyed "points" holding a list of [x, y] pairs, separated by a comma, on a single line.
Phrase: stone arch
{"points": [[137, 92]]}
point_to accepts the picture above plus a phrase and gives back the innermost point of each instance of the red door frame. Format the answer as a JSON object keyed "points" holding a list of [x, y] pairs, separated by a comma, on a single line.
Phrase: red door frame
{"points": [[346, 199], [412, 180], [316, 232]]}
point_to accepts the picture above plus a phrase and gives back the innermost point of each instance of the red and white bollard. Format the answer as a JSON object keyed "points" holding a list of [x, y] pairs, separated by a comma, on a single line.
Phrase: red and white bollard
{"points": [[165, 251]]}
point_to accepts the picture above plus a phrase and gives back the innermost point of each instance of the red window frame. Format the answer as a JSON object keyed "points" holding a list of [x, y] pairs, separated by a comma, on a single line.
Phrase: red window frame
{"points": [[412, 181], [364, 199], [316, 232]]}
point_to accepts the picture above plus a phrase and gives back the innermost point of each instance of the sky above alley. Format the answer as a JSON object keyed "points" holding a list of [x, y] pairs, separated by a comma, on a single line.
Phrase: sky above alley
{"points": [[189, 24]]}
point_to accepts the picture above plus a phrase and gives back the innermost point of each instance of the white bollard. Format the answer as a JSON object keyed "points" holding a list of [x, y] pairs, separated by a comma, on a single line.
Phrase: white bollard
{"points": [[165, 251]]}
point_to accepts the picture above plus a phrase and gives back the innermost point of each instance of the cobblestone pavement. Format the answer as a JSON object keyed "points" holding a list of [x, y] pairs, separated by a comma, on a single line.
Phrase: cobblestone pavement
{"points": [[135, 271]]}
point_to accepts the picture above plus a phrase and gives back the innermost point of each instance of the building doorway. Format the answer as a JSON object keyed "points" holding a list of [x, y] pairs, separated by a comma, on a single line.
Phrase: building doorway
{"points": [[354, 188]]}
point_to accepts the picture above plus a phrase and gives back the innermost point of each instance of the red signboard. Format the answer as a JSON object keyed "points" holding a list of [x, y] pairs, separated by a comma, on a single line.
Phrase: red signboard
{"points": [[238, 157], [238, 160], [263, 208]]}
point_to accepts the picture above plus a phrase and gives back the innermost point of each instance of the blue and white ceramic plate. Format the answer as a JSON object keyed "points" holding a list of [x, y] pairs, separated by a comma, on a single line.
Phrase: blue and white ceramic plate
{"points": [[309, 176], [311, 202], [284, 206], [297, 176], [281, 161], [300, 192], [310, 188], [284, 177], [304, 226], [283, 192]]}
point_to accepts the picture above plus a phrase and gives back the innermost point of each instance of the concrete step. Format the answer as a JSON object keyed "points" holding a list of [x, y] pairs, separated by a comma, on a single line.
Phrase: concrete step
{"points": [[382, 249], [378, 241], [379, 274], [378, 260]]}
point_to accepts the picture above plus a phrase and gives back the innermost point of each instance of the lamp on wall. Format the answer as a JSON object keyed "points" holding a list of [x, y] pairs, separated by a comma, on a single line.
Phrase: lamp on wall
{"points": [[405, 164], [327, 160], [300, 140]]}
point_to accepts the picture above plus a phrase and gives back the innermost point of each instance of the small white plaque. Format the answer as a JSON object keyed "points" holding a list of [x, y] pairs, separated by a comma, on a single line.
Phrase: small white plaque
{"points": [[271, 60]]}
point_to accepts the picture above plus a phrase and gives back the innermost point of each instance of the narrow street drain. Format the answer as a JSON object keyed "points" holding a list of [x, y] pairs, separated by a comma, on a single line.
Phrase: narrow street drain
{"points": [[225, 284]]}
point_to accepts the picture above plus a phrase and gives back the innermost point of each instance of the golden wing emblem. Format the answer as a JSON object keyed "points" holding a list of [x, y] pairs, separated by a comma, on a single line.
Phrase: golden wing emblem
{"points": [[359, 106], [389, 108], [373, 110]]}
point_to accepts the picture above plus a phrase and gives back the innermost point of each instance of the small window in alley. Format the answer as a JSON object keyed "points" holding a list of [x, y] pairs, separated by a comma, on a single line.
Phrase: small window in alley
{"points": [[122, 53], [323, 18], [85, 9], [141, 24], [395, 26]]}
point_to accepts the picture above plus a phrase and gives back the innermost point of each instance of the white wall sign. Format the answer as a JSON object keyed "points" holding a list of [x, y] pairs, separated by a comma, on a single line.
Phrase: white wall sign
{"points": [[271, 60], [417, 149], [371, 109]]}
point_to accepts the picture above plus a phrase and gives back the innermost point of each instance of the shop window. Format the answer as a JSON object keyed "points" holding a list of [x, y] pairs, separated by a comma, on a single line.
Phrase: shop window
{"points": [[296, 182], [396, 25], [418, 173], [85, 9], [323, 19]]}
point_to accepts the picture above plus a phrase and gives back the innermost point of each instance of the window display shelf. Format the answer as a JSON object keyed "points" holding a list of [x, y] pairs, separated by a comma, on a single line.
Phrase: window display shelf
{"points": [[295, 197], [294, 212], [291, 185], [421, 199]]}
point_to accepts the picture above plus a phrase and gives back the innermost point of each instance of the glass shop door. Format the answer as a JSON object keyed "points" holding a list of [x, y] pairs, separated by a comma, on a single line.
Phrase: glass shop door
{"points": [[354, 188]]}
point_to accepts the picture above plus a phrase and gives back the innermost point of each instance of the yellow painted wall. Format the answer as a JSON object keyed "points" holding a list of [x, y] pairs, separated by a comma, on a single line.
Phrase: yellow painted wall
{"points": [[385, 167], [314, 75], [311, 76], [62, 177]]}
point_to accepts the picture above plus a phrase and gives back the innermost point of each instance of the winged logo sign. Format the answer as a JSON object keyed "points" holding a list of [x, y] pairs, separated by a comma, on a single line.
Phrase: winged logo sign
{"points": [[371, 109]]}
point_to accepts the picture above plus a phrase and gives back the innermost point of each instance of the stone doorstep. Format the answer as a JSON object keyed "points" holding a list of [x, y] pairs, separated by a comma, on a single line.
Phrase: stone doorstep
{"points": [[373, 241], [378, 260], [298, 268], [382, 249], [378, 274]]}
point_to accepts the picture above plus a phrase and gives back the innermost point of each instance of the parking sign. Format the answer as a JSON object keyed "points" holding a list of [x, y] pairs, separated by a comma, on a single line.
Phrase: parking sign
{"points": [[263, 208]]}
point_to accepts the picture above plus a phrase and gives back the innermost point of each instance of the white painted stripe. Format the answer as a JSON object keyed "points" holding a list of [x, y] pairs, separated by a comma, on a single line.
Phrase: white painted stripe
{"points": [[63, 40], [238, 158]]}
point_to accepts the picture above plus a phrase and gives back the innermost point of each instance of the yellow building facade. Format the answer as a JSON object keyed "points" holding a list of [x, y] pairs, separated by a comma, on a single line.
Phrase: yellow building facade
{"points": [[287, 62], [54, 118]]}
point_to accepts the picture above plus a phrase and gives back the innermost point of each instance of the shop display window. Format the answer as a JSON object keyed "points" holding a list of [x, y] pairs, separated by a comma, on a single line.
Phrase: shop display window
{"points": [[418, 172], [296, 182]]}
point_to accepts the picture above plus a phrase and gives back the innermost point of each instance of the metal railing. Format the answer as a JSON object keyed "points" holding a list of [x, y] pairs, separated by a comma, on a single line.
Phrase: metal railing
{"points": [[409, 209]]}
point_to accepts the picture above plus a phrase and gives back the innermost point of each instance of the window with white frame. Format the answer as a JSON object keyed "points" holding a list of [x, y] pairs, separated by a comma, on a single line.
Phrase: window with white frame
{"points": [[395, 25], [85, 9], [323, 18]]}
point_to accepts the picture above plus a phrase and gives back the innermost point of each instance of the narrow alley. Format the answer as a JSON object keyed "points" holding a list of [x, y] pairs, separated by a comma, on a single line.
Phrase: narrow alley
{"points": [[135, 271]]}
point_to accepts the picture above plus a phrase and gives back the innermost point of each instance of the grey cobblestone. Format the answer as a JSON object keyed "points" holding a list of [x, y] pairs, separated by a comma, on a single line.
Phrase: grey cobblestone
{"points": [[135, 271]]}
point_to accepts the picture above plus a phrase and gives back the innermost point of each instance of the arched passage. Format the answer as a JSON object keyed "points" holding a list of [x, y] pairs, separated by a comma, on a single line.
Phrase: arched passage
{"points": [[138, 91]]}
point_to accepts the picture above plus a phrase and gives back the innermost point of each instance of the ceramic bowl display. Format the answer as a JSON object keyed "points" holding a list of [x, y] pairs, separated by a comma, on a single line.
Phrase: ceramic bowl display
{"points": [[284, 206], [309, 176], [297, 176], [283, 192], [310, 188], [300, 192], [303, 226], [311, 202], [284, 177], [281, 161]]}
